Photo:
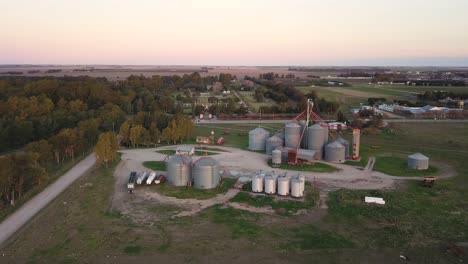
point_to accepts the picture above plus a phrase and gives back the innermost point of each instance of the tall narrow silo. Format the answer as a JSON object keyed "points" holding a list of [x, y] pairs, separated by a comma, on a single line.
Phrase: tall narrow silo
{"points": [[257, 138], [179, 170], [325, 135], [272, 143], [276, 157], [316, 139], [292, 135]]}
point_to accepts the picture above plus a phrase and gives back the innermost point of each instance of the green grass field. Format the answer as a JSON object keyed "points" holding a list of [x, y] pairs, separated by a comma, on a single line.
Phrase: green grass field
{"points": [[397, 166], [155, 165], [192, 193]]}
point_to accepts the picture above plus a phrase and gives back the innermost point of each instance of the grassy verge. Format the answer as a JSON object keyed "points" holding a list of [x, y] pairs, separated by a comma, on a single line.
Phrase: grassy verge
{"points": [[399, 167], [311, 237], [288, 206], [155, 165], [314, 167], [192, 193]]}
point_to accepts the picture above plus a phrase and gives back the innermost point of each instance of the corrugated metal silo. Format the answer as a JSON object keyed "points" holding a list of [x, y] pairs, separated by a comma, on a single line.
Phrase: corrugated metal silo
{"points": [[272, 143], [257, 138], [292, 135], [418, 161], [276, 157], [316, 139], [179, 170], [325, 135], [283, 186], [345, 143], [270, 185], [257, 183], [335, 152], [206, 173]]}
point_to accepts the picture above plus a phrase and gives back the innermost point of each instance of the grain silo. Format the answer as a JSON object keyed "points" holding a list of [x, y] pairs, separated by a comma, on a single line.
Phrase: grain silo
{"points": [[418, 161], [272, 143], [335, 152], [316, 139], [296, 188], [257, 183], [284, 153], [179, 170], [257, 138], [345, 143], [283, 186], [270, 184], [292, 135], [276, 157], [206, 173]]}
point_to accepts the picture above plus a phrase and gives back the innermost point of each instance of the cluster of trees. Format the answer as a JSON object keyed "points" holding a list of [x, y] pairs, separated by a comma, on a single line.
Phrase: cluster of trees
{"points": [[271, 76], [439, 95], [373, 100], [18, 173], [106, 148]]}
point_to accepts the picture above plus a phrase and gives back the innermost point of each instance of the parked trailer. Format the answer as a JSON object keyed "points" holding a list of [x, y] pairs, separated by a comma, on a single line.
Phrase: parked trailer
{"points": [[151, 178], [131, 182], [142, 178], [160, 179]]}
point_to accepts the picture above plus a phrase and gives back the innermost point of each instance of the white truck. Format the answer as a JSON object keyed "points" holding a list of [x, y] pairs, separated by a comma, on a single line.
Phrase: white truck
{"points": [[151, 178]]}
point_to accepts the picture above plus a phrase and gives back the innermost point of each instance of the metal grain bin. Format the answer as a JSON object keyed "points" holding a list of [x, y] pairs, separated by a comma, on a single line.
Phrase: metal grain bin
{"points": [[272, 143], [335, 152], [345, 143], [296, 188], [206, 173], [270, 185], [257, 183], [276, 157], [418, 161], [257, 138], [283, 186], [179, 170], [292, 135], [316, 139]]}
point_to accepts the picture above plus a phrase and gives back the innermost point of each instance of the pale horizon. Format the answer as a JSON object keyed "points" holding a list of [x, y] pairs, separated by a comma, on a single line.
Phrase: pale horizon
{"points": [[237, 33]]}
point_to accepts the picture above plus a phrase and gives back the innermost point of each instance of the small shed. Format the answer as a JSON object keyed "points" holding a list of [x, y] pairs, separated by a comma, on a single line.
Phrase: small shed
{"points": [[185, 150], [418, 161]]}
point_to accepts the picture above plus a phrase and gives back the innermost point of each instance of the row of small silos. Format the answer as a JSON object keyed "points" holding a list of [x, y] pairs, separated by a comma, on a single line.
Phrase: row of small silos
{"points": [[181, 171], [283, 185]]}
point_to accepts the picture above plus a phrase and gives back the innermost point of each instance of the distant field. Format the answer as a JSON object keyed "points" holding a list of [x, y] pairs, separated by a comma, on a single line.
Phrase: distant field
{"points": [[249, 99]]}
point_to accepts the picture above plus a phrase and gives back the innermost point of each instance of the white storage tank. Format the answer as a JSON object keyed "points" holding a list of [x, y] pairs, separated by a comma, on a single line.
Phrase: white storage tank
{"points": [[276, 157], [302, 179], [296, 188], [418, 161], [257, 184], [206, 173], [257, 138], [283, 186], [272, 143], [335, 152], [292, 135], [270, 184]]}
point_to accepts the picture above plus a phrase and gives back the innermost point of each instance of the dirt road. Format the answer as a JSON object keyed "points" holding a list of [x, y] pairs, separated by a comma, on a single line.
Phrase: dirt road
{"points": [[15, 221]]}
